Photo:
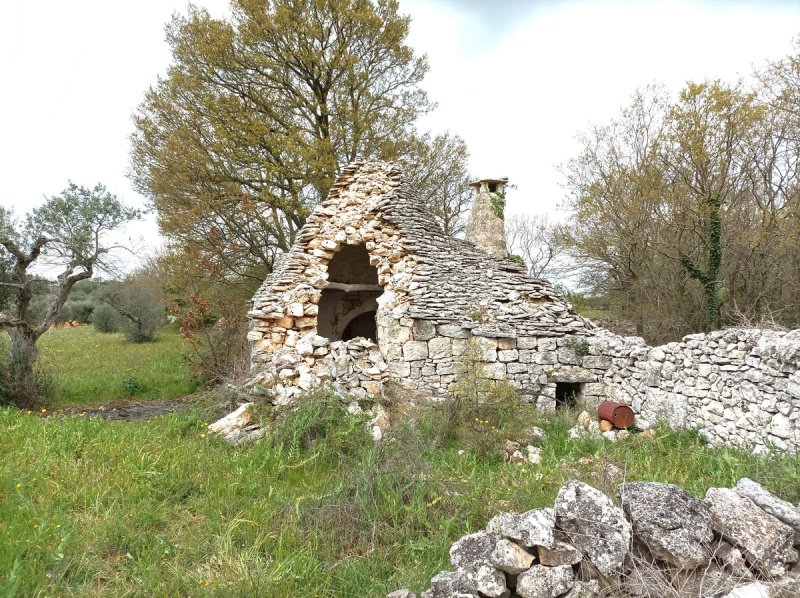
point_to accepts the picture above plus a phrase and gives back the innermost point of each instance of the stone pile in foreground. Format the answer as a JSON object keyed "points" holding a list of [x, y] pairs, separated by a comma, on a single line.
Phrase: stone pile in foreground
{"points": [[662, 541]]}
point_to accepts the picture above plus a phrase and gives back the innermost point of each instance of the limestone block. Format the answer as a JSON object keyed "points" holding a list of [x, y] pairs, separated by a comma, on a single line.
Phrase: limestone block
{"points": [[306, 322], [423, 330], [546, 357], [545, 582], [440, 348], [459, 346], [584, 589], [532, 528], [510, 557], [526, 355], [546, 344], [754, 589], [495, 371], [594, 389], [508, 355], [567, 355], [285, 323], [452, 331], [560, 554], [598, 362], [486, 349], [445, 367], [574, 374], [594, 525], [526, 342], [474, 550], [763, 539], [414, 350], [505, 344], [778, 508], [674, 525], [516, 368], [781, 426], [238, 427]]}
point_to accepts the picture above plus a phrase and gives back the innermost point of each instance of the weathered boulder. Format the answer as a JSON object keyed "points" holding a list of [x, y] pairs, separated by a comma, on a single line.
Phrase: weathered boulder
{"points": [[751, 590], [560, 554], [778, 508], [474, 550], [764, 541], [594, 525], [511, 557], [472, 557], [674, 525], [487, 581], [532, 528], [238, 427], [584, 589], [545, 582], [449, 584]]}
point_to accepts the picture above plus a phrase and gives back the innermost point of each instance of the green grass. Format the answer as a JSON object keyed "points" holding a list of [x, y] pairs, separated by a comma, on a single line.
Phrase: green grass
{"points": [[85, 366], [96, 508]]}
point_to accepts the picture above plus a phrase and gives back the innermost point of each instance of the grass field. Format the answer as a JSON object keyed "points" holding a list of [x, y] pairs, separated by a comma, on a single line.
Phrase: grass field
{"points": [[96, 508], [85, 366], [90, 507]]}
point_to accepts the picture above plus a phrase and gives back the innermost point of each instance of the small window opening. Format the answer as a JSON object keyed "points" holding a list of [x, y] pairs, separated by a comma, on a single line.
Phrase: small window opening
{"points": [[568, 394], [492, 187]]}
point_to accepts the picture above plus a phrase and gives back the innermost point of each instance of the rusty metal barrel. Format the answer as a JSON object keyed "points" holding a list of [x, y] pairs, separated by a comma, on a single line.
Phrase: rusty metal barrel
{"points": [[618, 414]]}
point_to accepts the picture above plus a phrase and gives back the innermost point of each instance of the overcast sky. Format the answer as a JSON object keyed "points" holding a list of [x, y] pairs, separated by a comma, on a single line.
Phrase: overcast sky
{"points": [[517, 79]]}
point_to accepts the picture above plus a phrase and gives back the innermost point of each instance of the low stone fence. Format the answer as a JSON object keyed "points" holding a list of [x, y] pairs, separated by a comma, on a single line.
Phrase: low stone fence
{"points": [[738, 386], [660, 542]]}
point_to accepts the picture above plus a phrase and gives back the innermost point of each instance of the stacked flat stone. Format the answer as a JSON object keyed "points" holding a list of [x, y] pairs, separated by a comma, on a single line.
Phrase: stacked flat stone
{"points": [[739, 386], [438, 294], [660, 539]]}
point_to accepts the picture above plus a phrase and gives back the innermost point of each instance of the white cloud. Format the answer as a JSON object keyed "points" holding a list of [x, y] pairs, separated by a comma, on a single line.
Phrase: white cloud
{"points": [[516, 78]]}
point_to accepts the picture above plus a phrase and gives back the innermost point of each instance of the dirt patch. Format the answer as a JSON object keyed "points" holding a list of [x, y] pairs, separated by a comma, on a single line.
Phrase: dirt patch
{"points": [[129, 410]]}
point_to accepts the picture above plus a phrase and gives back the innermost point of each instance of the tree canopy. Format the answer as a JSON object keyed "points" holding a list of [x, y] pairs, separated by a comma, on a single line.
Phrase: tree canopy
{"points": [[244, 134], [686, 209]]}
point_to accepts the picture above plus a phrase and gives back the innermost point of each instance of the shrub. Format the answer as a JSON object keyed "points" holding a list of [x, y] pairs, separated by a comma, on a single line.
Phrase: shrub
{"points": [[105, 318], [320, 422], [78, 310], [131, 386], [481, 413], [139, 307]]}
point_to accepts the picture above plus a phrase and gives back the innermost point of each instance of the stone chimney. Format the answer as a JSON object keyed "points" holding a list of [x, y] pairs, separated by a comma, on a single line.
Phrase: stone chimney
{"points": [[486, 227]]}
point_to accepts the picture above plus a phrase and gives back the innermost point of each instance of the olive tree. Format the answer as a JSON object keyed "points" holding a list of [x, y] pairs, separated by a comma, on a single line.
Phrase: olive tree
{"points": [[68, 233]]}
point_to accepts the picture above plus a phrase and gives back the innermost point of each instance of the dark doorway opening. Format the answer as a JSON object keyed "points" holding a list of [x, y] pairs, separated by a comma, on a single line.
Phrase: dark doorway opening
{"points": [[363, 325], [348, 305], [568, 394]]}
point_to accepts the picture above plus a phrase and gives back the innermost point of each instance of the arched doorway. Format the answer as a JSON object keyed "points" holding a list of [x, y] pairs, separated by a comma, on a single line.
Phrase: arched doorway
{"points": [[348, 304]]}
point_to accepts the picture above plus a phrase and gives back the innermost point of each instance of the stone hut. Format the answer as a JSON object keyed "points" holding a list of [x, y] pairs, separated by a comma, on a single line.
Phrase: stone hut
{"points": [[373, 290]]}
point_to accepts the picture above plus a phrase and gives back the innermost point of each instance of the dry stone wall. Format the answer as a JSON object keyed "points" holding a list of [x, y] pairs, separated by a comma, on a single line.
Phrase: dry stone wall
{"points": [[657, 541], [737, 386]]}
